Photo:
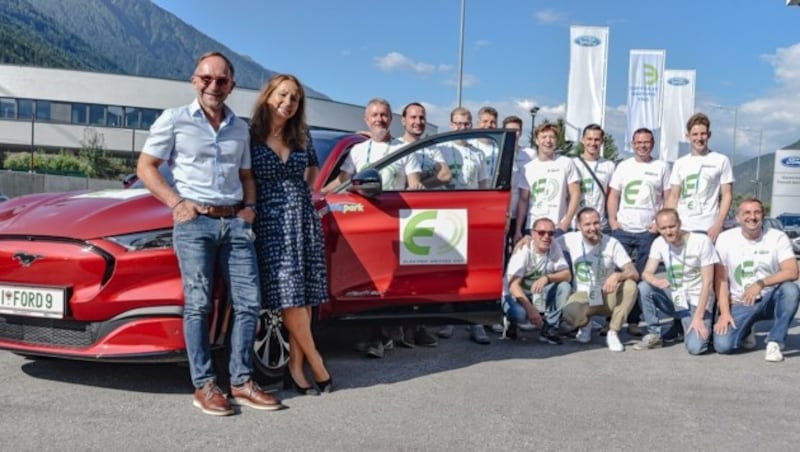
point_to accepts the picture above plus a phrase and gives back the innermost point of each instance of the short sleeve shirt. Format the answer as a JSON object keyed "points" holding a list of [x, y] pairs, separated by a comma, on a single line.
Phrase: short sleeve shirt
{"points": [[547, 182], [528, 264], [641, 187], [699, 179], [591, 264], [684, 264], [368, 152]]}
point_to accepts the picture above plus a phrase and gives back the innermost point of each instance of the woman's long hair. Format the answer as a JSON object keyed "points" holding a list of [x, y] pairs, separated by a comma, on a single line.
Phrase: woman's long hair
{"points": [[294, 132]]}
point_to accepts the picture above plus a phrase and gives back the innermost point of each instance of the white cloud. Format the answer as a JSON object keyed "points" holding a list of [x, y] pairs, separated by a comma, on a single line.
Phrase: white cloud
{"points": [[467, 80], [396, 61], [548, 16]]}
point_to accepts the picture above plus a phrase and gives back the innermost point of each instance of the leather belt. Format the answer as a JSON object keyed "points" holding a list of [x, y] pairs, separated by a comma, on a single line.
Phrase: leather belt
{"points": [[222, 211]]}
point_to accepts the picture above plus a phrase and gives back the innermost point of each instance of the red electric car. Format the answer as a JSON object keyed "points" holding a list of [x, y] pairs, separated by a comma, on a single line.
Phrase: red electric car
{"points": [[92, 276]]}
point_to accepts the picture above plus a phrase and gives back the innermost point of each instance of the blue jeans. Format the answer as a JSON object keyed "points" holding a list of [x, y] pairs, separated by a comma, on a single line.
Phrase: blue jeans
{"points": [[206, 248], [780, 305], [654, 299], [639, 241], [555, 294]]}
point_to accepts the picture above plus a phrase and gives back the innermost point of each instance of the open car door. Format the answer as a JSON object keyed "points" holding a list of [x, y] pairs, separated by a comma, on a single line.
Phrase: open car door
{"points": [[432, 252]]}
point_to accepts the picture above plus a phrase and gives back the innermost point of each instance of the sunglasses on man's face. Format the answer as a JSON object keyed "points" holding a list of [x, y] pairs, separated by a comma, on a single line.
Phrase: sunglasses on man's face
{"points": [[545, 233], [221, 82]]}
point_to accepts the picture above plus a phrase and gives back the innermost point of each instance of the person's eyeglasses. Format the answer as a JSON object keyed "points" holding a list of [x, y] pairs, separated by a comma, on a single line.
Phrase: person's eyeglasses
{"points": [[222, 82], [461, 124], [545, 233]]}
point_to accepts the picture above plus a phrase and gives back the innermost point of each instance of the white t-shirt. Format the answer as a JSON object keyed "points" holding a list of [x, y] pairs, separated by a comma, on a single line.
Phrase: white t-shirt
{"points": [[591, 193], [467, 165], [591, 264], [428, 158], [490, 152], [747, 261], [641, 187], [529, 265], [700, 178], [368, 152], [684, 264], [521, 158], [547, 181]]}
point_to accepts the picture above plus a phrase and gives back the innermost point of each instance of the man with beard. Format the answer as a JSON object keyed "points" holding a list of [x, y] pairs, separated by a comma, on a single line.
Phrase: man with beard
{"points": [[755, 280]]}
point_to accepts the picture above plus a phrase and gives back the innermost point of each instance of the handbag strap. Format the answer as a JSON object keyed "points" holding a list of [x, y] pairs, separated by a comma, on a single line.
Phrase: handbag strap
{"points": [[596, 179]]}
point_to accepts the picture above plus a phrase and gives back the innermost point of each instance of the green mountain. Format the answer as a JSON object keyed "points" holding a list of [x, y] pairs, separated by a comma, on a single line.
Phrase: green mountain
{"points": [[119, 36], [745, 174]]}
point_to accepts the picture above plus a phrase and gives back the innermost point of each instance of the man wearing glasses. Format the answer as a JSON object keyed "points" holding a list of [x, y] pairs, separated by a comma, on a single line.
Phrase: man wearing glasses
{"points": [[538, 282], [599, 288], [213, 208]]}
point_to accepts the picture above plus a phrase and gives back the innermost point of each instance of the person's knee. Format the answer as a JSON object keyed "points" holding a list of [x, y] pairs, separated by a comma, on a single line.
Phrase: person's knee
{"points": [[724, 344], [789, 292], [696, 346], [513, 310]]}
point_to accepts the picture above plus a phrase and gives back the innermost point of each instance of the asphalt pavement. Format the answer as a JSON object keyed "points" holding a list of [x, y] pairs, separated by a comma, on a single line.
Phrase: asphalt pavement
{"points": [[510, 395]]}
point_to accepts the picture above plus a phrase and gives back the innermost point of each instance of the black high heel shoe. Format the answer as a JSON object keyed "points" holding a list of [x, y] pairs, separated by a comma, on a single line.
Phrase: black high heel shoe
{"points": [[325, 386], [289, 383]]}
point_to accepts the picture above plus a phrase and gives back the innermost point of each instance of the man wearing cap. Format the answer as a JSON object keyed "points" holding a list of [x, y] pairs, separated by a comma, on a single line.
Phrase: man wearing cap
{"points": [[599, 288]]}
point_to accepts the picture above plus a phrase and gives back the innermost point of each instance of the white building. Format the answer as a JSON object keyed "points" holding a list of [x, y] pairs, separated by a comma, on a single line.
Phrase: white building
{"points": [[57, 108]]}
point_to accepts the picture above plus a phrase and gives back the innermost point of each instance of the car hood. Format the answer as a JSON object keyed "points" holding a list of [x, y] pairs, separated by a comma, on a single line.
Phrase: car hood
{"points": [[84, 214]]}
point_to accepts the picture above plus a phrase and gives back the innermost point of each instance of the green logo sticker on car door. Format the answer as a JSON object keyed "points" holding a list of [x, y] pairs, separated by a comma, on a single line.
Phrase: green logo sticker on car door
{"points": [[433, 237]]}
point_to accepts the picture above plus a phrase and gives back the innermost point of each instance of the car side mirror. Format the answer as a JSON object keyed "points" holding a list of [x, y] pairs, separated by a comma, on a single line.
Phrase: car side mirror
{"points": [[367, 183]]}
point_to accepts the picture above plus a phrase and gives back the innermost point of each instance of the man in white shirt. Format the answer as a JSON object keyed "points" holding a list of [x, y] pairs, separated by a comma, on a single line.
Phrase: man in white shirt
{"points": [[594, 171], [702, 182], [538, 282], [755, 280], [522, 156], [435, 171], [549, 185], [378, 117], [487, 119], [599, 289], [467, 163], [687, 292]]}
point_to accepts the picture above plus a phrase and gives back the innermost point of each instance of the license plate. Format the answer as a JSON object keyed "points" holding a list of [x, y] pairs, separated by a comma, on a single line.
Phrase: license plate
{"points": [[32, 301]]}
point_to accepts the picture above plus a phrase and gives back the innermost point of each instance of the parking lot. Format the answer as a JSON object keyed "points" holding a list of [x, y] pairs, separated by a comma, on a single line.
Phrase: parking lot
{"points": [[459, 396]]}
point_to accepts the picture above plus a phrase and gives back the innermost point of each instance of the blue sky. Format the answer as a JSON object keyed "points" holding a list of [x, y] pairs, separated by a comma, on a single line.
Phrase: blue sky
{"points": [[746, 54]]}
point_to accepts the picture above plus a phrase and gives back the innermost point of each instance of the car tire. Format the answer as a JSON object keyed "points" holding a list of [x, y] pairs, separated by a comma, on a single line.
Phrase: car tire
{"points": [[271, 347]]}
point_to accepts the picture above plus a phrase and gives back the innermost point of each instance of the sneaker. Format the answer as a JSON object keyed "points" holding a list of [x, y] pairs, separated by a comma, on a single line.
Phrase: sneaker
{"points": [[584, 335], [403, 337], [424, 338], [211, 400], [749, 342], [478, 334], [612, 340], [511, 331], [774, 354], [549, 336], [375, 349], [251, 394], [648, 342], [498, 327], [446, 332]]}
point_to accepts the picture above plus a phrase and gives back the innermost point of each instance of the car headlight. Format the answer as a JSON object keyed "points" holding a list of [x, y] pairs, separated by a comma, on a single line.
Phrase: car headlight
{"points": [[146, 240]]}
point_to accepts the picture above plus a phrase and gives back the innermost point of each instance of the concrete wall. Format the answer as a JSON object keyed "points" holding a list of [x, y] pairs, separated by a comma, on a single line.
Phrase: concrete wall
{"points": [[14, 184]]}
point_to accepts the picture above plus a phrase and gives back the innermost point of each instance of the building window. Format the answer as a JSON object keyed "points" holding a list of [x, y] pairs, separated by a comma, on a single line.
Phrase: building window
{"points": [[97, 115], [115, 116], [132, 120], [79, 114], [25, 109], [149, 117], [8, 108]]}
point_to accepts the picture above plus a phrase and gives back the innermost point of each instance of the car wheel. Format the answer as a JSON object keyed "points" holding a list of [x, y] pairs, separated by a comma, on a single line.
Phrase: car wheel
{"points": [[271, 347]]}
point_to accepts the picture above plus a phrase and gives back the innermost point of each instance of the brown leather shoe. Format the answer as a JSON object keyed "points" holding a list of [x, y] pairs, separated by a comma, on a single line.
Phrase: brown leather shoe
{"points": [[211, 400], [250, 394]]}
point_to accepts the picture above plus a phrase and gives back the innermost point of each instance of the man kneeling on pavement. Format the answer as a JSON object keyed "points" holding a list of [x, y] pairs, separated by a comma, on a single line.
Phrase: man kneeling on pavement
{"points": [[538, 282], [687, 292], [600, 290]]}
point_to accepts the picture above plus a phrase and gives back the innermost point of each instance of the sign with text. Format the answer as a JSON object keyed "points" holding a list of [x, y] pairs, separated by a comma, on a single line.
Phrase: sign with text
{"points": [[786, 182]]}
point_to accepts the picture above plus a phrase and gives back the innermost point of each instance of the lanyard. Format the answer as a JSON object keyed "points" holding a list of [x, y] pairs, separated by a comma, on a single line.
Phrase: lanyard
{"points": [[592, 274], [594, 170], [369, 151], [536, 265], [671, 272]]}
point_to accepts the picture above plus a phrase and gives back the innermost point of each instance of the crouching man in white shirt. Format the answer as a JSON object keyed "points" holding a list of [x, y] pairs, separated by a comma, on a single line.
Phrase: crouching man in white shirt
{"points": [[687, 292], [755, 280]]}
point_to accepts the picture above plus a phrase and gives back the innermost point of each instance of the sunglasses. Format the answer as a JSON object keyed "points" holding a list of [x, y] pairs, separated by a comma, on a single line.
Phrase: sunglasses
{"points": [[545, 233], [222, 82]]}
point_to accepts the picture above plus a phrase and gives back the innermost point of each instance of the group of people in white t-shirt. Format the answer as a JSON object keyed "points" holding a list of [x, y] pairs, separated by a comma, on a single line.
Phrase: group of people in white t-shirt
{"points": [[669, 221]]}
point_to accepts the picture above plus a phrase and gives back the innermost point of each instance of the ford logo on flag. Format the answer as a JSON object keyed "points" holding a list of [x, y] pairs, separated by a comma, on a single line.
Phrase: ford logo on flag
{"points": [[587, 41], [791, 162], [678, 81]]}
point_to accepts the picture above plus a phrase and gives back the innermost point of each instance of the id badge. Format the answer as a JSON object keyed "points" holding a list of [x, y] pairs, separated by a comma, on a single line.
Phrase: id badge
{"points": [[681, 299], [595, 297]]}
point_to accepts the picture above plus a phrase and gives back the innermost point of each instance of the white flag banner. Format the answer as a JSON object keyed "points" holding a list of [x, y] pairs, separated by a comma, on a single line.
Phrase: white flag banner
{"points": [[586, 91], [645, 93], [678, 107]]}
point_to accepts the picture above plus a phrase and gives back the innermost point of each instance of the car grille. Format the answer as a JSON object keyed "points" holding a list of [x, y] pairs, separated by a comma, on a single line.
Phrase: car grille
{"points": [[46, 332]]}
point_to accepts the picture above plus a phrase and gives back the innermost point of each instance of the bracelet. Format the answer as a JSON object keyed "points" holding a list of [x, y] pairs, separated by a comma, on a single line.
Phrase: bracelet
{"points": [[177, 204]]}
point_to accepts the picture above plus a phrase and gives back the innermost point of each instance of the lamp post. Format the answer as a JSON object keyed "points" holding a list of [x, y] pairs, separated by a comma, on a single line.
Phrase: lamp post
{"points": [[461, 52], [533, 112], [758, 160], [735, 111]]}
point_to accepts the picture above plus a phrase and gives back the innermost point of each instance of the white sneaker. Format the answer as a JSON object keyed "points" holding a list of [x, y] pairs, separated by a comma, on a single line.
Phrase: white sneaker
{"points": [[612, 340], [774, 354], [584, 335], [749, 343]]}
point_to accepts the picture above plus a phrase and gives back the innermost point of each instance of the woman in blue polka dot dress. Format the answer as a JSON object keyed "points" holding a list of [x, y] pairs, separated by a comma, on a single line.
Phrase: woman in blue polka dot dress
{"points": [[289, 241]]}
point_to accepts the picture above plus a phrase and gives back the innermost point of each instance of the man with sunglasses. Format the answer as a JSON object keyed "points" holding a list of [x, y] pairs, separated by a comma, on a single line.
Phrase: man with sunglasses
{"points": [[600, 289], [213, 208], [538, 282]]}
